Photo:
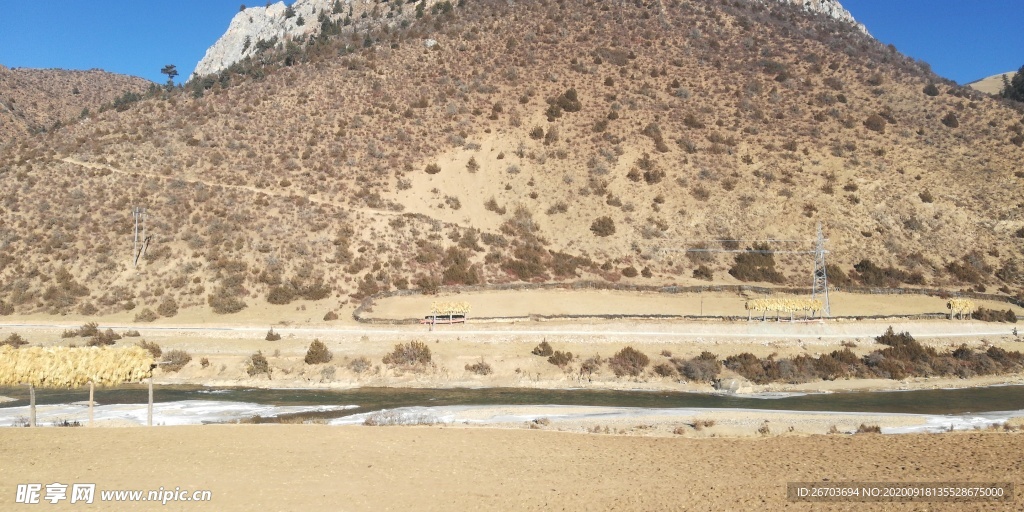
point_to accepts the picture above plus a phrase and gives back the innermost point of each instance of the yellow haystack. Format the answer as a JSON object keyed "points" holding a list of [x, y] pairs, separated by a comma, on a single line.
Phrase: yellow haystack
{"points": [[960, 305], [63, 367], [784, 305], [449, 308]]}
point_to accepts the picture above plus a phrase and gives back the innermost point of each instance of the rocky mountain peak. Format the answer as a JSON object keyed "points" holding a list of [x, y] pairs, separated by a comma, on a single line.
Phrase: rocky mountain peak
{"points": [[255, 27]]}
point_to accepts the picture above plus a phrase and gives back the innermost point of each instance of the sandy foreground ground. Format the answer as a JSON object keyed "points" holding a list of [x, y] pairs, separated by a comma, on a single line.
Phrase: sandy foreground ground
{"points": [[315, 467]]}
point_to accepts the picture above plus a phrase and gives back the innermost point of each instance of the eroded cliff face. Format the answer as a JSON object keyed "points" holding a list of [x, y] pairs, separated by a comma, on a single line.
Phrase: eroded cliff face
{"points": [[256, 26], [831, 8]]}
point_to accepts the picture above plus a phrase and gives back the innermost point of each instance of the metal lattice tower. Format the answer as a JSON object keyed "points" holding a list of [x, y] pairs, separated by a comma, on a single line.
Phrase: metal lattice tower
{"points": [[820, 285]]}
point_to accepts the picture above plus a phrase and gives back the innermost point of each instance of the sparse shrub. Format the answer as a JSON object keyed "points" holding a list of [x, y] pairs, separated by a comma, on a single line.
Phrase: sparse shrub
{"points": [[703, 424], [951, 120], [560, 359], [14, 340], [131, 333], [204, 362], [931, 90], [176, 360], [628, 361], [869, 429], [414, 353], [168, 307], [757, 264], [359, 365], [630, 271], [257, 365], [88, 330], [665, 370], [318, 353], [492, 206], [876, 123], [146, 315], [703, 272], [926, 197], [108, 337], [153, 348], [331, 315], [591, 365], [603, 226], [994, 315], [479, 368], [764, 430], [432, 169], [543, 350], [703, 368], [272, 336], [327, 373]]}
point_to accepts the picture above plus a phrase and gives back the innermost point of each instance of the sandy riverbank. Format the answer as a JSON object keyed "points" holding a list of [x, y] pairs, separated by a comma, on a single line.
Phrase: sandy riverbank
{"points": [[315, 467], [507, 349]]}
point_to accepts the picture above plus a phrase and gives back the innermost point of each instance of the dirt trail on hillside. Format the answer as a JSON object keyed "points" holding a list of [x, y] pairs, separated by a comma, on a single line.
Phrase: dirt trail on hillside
{"points": [[245, 188]]}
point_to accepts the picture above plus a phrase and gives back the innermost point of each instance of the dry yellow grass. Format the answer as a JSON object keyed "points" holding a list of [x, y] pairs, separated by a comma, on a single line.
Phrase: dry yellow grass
{"points": [[63, 367]]}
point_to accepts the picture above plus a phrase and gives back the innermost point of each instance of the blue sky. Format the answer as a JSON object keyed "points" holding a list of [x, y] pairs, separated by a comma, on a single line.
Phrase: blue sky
{"points": [[963, 40]]}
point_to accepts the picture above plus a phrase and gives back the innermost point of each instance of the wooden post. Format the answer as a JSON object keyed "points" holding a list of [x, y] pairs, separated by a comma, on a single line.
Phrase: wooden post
{"points": [[149, 412], [31, 405], [91, 386]]}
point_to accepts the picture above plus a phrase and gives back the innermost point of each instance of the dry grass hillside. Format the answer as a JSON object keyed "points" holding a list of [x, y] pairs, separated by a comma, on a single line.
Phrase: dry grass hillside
{"points": [[549, 140], [38, 100], [991, 84]]}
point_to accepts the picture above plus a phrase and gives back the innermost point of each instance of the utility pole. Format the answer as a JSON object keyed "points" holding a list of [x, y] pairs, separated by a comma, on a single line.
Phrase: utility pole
{"points": [[820, 282], [139, 216]]}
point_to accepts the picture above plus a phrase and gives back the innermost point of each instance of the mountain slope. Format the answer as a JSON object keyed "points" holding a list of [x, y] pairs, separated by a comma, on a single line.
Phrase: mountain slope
{"points": [[991, 84], [33, 100], [559, 140]]}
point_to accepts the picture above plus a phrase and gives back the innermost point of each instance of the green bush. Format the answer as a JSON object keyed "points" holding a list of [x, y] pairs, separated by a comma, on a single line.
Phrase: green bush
{"points": [[628, 361], [318, 353]]}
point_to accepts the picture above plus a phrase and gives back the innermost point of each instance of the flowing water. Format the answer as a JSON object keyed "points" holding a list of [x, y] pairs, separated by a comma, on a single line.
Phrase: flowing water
{"points": [[932, 401]]}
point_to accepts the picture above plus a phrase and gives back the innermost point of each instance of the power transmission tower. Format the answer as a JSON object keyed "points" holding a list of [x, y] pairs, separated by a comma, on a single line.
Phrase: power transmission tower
{"points": [[820, 285]]}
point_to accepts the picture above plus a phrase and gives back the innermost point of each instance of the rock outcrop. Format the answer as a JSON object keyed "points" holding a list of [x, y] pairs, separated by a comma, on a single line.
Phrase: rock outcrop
{"points": [[261, 25], [831, 8]]}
